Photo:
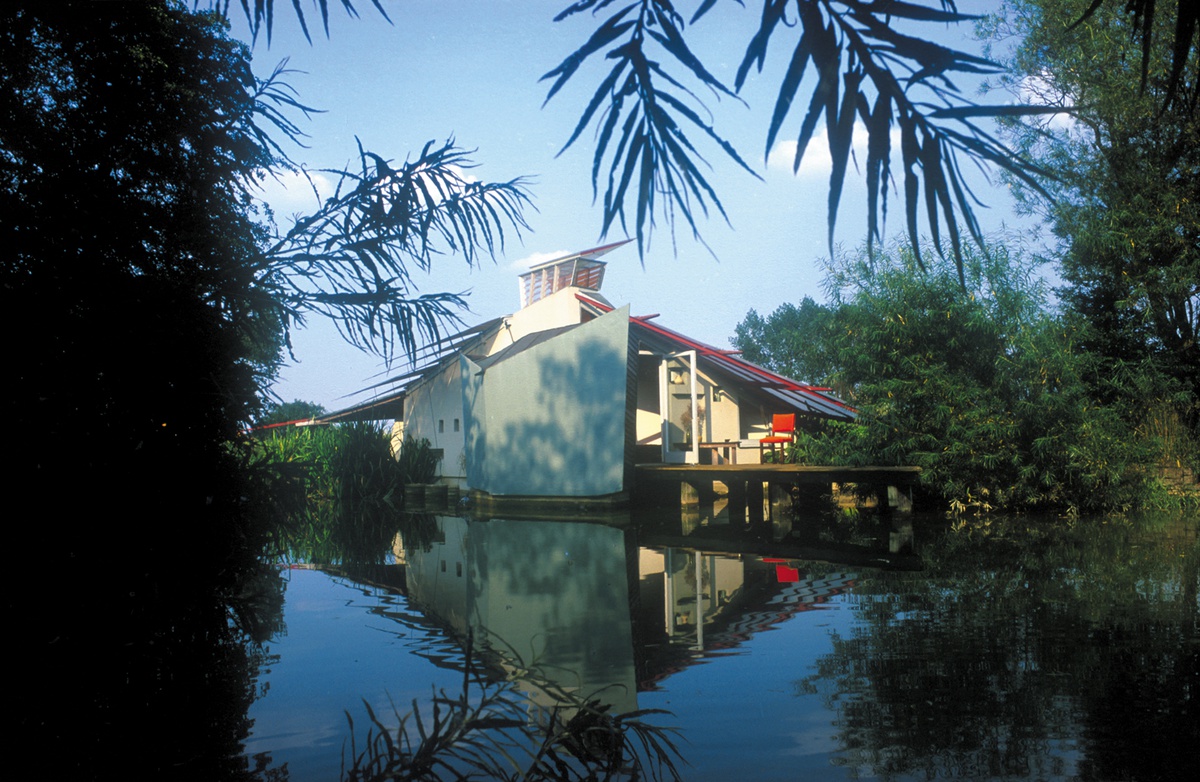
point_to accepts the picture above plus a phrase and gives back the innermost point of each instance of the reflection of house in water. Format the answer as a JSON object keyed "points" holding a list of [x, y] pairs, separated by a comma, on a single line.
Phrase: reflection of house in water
{"points": [[543, 595], [738, 596], [588, 610], [562, 397]]}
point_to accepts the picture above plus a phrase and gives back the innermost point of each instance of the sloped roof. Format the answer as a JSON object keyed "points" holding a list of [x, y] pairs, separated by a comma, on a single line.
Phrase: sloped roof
{"points": [[388, 395], [778, 393], [781, 393], [521, 345]]}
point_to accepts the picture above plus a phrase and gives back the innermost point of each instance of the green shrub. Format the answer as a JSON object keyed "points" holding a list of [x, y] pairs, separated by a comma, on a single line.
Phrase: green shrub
{"points": [[976, 380], [417, 461], [354, 489]]}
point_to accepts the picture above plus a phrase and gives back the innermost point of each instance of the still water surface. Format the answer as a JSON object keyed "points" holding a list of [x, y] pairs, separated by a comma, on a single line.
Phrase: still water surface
{"points": [[1003, 649]]}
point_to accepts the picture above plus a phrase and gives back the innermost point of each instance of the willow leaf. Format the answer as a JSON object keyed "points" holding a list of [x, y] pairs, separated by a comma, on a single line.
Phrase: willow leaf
{"points": [[608, 32], [756, 50], [788, 89], [841, 138]]}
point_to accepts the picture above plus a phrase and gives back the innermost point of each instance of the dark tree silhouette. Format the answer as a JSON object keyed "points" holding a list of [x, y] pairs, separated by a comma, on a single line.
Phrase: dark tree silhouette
{"points": [[148, 302]]}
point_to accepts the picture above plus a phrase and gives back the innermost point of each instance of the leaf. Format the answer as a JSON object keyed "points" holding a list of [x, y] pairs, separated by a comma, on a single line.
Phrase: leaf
{"points": [[652, 140], [612, 29], [603, 94], [580, 6], [841, 137], [349, 260], [704, 8], [1187, 25], [1019, 110], [673, 42], [788, 89], [708, 130], [924, 13], [879, 150], [756, 50], [909, 152]]}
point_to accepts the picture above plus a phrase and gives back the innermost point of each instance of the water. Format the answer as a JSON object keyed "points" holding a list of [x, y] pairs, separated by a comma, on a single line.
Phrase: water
{"points": [[1004, 649]]}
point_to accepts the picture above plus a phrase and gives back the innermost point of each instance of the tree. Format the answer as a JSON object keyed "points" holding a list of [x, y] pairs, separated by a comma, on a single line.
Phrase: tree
{"points": [[284, 412], [982, 387], [147, 304], [792, 340], [1126, 199], [133, 135]]}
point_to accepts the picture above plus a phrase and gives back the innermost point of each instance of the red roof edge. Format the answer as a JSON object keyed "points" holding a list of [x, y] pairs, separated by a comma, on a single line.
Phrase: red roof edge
{"points": [[709, 350]]}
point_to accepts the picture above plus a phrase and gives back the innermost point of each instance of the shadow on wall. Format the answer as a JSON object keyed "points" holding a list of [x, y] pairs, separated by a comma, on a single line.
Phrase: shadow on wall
{"points": [[550, 421], [546, 595]]}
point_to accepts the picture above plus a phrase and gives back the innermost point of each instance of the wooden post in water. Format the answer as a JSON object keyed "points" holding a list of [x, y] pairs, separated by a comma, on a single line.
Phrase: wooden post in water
{"points": [[736, 489], [689, 495], [754, 500], [780, 498]]}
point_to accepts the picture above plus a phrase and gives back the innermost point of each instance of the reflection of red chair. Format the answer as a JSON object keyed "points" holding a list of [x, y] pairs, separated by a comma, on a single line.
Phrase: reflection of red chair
{"points": [[783, 573], [787, 575], [783, 430]]}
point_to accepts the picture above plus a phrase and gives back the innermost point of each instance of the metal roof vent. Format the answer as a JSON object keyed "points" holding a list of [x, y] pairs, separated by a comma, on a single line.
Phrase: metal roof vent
{"points": [[580, 270]]}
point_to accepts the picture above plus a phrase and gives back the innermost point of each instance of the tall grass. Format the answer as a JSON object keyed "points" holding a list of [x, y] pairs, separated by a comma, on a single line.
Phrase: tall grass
{"points": [[417, 461], [354, 488], [1165, 428]]}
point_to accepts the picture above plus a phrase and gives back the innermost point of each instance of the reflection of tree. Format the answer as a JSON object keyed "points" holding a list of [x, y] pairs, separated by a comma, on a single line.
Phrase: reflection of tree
{"points": [[1021, 638], [165, 697]]}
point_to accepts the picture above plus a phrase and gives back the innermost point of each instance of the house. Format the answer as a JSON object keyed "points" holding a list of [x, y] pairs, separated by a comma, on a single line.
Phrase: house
{"points": [[562, 397]]}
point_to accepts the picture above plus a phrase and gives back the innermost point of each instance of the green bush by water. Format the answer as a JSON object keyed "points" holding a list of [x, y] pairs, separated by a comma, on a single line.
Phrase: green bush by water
{"points": [[354, 487], [977, 380]]}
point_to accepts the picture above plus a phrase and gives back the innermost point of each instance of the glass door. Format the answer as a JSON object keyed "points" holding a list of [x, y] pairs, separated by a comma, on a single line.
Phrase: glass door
{"points": [[678, 397]]}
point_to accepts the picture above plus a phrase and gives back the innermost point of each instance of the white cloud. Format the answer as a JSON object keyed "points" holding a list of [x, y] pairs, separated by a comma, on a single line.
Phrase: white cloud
{"points": [[1041, 89], [529, 261], [817, 160], [291, 193], [463, 174]]}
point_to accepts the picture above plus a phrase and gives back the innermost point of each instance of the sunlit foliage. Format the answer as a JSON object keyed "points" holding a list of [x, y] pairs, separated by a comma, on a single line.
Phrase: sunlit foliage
{"points": [[354, 488], [983, 387], [1126, 197]]}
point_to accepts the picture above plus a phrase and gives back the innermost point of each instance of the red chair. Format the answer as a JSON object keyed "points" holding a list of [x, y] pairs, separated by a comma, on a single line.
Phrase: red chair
{"points": [[783, 430]]}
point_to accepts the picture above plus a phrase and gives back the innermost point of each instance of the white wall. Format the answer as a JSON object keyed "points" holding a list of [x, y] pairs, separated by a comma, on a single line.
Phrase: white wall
{"points": [[434, 411], [550, 421]]}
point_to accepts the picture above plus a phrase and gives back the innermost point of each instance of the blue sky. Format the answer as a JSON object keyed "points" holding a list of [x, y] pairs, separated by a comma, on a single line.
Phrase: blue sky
{"points": [[470, 70]]}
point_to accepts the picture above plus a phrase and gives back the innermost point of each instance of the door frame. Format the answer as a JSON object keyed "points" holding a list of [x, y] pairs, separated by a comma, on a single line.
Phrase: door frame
{"points": [[670, 455]]}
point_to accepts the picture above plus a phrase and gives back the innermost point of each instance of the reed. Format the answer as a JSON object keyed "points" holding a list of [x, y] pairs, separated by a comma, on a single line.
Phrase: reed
{"points": [[353, 488]]}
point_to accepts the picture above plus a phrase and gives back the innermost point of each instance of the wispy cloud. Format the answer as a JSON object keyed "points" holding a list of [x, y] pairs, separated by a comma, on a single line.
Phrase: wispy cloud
{"points": [[529, 261], [291, 193], [817, 161]]}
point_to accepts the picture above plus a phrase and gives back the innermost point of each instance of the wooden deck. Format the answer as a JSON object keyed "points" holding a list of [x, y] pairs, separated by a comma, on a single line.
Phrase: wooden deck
{"points": [[747, 486], [784, 473]]}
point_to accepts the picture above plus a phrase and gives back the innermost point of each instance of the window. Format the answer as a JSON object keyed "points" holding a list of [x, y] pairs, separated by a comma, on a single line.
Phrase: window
{"points": [[456, 424], [441, 425]]}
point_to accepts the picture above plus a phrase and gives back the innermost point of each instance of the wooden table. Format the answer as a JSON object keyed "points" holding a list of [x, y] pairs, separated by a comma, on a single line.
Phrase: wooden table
{"points": [[725, 450]]}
